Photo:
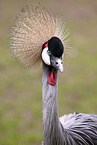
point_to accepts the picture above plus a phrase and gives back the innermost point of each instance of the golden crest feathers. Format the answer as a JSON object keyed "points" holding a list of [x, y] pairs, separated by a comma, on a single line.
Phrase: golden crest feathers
{"points": [[33, 28]]}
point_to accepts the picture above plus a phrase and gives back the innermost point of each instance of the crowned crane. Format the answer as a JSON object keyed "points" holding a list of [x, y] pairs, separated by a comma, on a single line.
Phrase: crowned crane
{"points": [[39, 35]]}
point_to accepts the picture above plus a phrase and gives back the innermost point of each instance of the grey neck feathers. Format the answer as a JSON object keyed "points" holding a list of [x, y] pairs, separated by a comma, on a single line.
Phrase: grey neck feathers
{"points": [[53, 134]]}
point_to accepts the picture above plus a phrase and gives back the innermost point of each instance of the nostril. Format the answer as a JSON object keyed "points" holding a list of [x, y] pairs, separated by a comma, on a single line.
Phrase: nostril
{"points": [[61, 62], [56, 63]]}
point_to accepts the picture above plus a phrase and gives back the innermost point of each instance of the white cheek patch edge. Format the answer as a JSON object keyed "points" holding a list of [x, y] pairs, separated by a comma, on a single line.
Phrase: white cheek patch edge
{"points": [[45, 56]]}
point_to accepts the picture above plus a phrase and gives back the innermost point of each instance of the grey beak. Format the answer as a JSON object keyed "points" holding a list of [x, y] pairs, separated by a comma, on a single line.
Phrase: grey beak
{"points": [[57, 63]]}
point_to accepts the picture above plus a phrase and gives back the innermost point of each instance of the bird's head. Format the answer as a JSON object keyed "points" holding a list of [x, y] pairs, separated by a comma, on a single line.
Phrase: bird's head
{"points": [[52, 53]]}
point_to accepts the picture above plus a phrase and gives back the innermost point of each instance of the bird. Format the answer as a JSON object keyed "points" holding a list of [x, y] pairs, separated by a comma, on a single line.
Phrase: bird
{"points": [[40, 37]]}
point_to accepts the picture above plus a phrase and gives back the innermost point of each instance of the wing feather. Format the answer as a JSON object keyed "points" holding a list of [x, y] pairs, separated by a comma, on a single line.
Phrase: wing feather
{"points": [[80, 128]]}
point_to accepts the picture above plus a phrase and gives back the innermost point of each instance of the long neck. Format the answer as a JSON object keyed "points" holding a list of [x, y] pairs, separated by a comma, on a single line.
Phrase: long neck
{"points": [[51, 126]]}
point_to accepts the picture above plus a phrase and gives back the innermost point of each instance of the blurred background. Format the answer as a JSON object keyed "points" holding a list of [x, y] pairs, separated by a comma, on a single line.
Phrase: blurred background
{"points": [[20, 89]]}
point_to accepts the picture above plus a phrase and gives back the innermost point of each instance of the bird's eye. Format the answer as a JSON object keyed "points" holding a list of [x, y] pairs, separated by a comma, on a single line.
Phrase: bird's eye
{"points": [[49, 53]]}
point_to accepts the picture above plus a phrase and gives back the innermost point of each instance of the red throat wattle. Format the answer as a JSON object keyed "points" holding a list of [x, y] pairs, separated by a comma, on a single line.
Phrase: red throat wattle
{"points": [[52, 78]]}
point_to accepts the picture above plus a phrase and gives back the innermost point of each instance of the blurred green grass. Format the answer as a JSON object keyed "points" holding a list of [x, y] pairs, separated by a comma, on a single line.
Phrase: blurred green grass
{"points": [[20, 89]]}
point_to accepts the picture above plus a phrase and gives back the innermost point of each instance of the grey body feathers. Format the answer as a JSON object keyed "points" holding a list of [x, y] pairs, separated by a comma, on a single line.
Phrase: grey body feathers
{"points": [[79, 129]]}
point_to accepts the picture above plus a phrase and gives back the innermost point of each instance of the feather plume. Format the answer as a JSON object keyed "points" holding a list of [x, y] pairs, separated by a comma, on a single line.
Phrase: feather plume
{"points": [[33, 28]]}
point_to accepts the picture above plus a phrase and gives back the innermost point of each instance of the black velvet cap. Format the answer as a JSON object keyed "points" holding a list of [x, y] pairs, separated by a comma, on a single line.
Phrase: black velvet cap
{"points": [[55, 46]]}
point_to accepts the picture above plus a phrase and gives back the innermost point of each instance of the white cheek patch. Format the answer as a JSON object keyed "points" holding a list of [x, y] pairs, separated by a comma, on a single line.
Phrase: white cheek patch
{"points": [[45, 56]]}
